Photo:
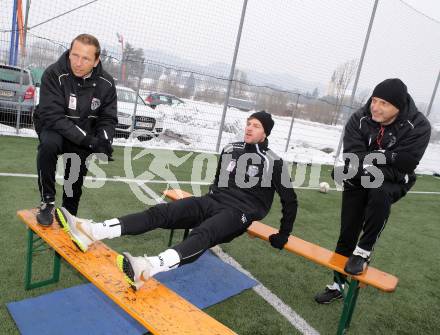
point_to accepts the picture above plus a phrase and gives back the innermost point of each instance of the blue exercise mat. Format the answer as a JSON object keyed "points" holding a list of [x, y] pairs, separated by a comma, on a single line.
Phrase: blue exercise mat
{"points": [[84, 309]]}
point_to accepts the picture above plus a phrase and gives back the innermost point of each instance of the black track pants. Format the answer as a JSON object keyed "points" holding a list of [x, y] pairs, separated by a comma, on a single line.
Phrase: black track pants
{"points": [[367, 211], [52, 144], [211, 224]]}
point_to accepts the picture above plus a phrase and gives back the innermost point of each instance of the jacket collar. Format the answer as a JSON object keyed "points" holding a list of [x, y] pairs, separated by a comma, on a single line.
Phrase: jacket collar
{"points": [[258, 147]]}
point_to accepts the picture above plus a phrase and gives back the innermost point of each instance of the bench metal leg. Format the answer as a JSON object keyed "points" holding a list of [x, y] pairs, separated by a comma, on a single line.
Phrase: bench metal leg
{"points": [[170, 241], [35, 245], [349, 304]]}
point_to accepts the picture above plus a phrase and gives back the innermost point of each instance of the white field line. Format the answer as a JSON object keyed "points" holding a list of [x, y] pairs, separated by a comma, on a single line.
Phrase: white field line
{"points": [[295, 320]]}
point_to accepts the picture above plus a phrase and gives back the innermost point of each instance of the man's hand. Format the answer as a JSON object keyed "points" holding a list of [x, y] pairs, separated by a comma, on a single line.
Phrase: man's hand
{"points": [[404, 161], [278, 240], [90, 142], [98, 145], [105, 147]]}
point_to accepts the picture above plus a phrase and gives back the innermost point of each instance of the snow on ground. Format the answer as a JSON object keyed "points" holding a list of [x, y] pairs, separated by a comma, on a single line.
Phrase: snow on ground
{"points": [[195, 126]]}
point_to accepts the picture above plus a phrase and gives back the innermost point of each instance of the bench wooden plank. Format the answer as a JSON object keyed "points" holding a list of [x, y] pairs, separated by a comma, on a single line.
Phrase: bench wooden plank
{"points": [[372, 276], [156, 307]]}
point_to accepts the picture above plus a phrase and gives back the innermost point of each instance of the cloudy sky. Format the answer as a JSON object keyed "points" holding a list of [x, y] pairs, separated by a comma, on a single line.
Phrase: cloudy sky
{"points": [[306, 39]]}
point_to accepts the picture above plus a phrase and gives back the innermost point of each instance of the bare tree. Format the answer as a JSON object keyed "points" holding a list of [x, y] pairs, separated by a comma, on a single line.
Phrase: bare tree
{"points": [[341, 79], [362, 96], [273, 101], [41, 54], [317, 111], [190, 83], [109, 63], [133, 60]]}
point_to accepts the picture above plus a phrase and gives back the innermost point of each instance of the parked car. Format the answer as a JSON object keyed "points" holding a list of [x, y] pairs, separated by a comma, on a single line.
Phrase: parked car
{"points": [[155, 98], [146, 119], [11, 93], [36, 74]]}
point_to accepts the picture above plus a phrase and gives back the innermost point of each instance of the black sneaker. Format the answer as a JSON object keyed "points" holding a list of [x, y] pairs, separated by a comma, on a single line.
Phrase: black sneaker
{"points": [[45, 214], [356, 264], [328, 296]]}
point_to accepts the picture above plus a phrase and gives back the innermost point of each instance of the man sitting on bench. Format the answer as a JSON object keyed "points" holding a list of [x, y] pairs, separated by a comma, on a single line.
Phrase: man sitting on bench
{"points": [[390, 127], [248, 174]]}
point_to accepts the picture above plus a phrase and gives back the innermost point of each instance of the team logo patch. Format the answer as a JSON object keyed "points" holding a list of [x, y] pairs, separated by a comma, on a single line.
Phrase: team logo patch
{"points": [[252, 170], [231, 166], [392, 141], [95, 103]]}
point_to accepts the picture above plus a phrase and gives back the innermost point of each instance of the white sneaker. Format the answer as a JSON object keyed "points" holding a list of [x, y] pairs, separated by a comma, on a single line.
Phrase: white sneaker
{"points": [[136, 269], [78, 229]]}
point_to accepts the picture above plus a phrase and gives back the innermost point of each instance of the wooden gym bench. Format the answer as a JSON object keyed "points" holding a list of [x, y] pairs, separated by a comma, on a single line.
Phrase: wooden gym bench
{"points": [[156, 307], [372, 277]]}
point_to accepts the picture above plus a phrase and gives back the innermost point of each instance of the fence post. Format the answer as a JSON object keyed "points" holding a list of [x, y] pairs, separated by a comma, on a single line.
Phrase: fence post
{"points": [[22, 56], [133, 122], [434, 92], [358, 73], [13, 33], [231, 75], [291, 122]]}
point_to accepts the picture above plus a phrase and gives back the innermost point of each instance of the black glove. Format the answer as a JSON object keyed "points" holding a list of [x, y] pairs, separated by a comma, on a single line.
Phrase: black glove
{"points": [[278, 240], [404, 161], [90, 142], [105, 147], [98, 145]]}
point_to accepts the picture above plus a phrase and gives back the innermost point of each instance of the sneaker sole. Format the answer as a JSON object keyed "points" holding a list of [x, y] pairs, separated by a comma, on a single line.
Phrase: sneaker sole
{"points": [[358, 273], [43, 224], [328, 302], [57, 218], [63, 222], [352, 273], [120, 259]]}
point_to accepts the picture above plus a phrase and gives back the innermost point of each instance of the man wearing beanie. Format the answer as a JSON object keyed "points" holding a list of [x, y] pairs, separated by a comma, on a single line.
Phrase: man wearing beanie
{"points": [[247, 176], [388, 136]]}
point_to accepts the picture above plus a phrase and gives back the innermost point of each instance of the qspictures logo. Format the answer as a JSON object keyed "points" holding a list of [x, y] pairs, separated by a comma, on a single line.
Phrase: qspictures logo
{"points": [[145, 168]]}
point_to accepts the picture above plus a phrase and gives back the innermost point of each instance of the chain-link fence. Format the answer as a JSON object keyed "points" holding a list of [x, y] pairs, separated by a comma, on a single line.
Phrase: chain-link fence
{"points": [[200, 68]]}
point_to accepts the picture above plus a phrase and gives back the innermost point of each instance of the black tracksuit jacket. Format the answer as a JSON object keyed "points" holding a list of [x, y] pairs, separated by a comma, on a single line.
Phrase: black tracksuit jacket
{"points": [[409, 133], [76, 107], [264, 173]]}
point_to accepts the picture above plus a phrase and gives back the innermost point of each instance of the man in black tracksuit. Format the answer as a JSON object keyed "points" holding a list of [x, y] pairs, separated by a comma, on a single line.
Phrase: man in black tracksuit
{"points": [[76, 116], [248, 174], [388, 136]]}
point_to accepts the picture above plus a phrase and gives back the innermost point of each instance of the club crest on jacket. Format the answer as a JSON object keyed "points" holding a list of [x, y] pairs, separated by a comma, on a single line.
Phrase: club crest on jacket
{"points": [[95, 104], [252, 170], [231, 166]]}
